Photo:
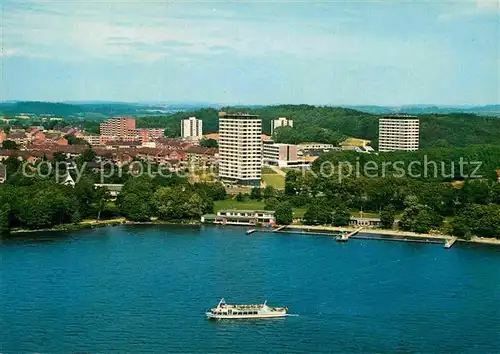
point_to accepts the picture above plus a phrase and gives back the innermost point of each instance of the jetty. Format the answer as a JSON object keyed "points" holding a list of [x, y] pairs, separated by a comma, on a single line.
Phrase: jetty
{"points": [[345, 237], [450, 242], [280, 228]]}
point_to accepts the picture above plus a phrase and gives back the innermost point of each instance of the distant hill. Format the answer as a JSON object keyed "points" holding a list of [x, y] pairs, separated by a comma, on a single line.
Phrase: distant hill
{"points": [[93, 110], [34, 107], [488, 110]]}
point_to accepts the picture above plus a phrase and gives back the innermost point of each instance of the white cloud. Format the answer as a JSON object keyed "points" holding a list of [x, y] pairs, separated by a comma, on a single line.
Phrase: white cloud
{"points": [[471, 9]]}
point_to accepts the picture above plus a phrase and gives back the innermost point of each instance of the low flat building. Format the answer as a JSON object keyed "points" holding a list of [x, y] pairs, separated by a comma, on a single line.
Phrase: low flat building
{"points": [[315, 146], [281, 155], [245, 217], [92, 139]]}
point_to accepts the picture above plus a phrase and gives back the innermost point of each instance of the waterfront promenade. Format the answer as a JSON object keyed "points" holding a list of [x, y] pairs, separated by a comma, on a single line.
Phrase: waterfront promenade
{"points": [[394, 233]]}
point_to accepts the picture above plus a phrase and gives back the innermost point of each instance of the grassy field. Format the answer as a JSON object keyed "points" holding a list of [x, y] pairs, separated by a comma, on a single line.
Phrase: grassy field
{"points": [[274, 180], [267, 171]]}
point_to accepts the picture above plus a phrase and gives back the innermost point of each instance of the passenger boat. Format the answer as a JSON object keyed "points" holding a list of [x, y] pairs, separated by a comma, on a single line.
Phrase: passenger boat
{"points": [[226, 311]]}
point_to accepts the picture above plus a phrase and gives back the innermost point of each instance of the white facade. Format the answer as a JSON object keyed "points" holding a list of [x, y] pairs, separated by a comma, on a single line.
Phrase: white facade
{"points": [[282, 155], [192, 128], [280, 122], [92, 139], [398, 132], [315, 146], [245, 217], [240, 148]]}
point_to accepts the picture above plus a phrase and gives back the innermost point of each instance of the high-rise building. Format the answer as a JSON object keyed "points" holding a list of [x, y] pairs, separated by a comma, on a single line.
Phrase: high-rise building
{"points": [[192, 128], [120, 128], [398, 132], [240, 148], [280, 122]]}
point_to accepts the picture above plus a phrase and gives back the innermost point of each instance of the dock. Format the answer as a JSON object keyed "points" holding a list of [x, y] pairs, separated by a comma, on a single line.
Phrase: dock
{"points": [[345, 237], [450, 242], [280, 228]]}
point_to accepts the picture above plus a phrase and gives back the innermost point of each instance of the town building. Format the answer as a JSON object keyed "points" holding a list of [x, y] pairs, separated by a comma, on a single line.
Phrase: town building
{"points": [[240, 148], [192, 128], [92, 139], [245, 217], [121, 127], [280, 122], [398, 133], [149, 134], [201, 157], [281, 155]]}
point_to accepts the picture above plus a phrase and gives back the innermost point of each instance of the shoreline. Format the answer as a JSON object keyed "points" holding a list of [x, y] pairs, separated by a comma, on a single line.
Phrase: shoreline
{"points": [[390, 232], [321, 230], [94, 224]]}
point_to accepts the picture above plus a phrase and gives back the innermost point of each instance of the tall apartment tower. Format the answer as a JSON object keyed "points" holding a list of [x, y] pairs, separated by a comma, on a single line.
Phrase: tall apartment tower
{"points": [[398, 133], [121, 127], [280, 122], [192, 128], [240, 148]]}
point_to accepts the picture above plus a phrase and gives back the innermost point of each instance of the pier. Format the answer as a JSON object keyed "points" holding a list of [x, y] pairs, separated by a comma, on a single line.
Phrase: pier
{"points": [[450, 242], [345, 237], [280, 228]]}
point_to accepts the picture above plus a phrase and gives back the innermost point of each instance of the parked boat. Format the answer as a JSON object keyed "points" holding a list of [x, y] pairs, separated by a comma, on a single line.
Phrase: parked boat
{"points": [[226, 311]]}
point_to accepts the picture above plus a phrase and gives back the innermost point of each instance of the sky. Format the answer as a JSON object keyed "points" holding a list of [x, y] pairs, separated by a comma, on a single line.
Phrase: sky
{"points": [[254, 52]]}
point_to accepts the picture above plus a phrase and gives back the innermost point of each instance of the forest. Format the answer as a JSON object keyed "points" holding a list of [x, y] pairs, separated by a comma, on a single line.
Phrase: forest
{"points": [[334, 124]]}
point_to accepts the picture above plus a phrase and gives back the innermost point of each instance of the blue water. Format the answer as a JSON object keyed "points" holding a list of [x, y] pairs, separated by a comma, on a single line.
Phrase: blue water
{"points": [[145, 289]]}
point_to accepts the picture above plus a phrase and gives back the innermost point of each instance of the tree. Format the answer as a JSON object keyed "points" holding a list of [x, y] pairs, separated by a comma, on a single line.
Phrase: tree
{"points": [[318, 214], [284, 213], [88, 155], [135, 208], [6, 129], [59, 156], [240, 197], [387, 216], [4, 218], [341, 216], [73, 140], [418, 218], [85, 193], [255, 193], [9, 145], [271, 204], [269, 192], [209, 143], [176, 203], [101, 196], [134, 199]]}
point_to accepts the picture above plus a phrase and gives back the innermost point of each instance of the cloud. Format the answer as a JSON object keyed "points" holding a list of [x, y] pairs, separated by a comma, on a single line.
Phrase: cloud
{"points": [[471, 9], [489, 5]]}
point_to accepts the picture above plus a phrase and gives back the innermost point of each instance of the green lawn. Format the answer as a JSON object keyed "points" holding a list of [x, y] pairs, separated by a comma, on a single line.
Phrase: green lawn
{"points": [[299, 212], [267, 171], [274, 180]]}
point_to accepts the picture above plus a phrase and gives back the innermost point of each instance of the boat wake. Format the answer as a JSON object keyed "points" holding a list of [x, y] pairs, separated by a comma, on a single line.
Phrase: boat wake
{"points": [[292, 315]]}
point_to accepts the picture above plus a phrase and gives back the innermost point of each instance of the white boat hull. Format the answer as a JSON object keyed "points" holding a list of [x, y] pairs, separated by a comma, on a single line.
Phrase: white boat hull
{"points": [[241, 317]]}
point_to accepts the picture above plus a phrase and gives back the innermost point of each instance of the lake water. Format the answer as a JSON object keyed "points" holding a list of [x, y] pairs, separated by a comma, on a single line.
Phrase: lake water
{"points": [[146, 288]]}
